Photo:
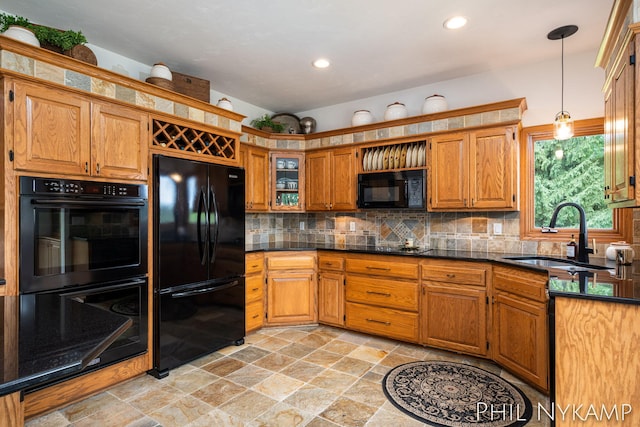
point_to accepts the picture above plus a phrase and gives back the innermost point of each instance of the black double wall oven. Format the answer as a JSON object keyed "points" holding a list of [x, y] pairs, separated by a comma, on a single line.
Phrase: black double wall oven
{"points": [[87, 241]]}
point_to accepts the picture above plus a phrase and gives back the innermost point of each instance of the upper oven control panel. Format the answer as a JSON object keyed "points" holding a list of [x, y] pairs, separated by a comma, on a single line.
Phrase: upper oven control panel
{"points": [[50, 186]]}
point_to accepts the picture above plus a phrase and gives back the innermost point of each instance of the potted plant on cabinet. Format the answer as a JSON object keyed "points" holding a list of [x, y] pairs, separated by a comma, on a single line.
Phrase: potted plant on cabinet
{"points": [[265, 123]]}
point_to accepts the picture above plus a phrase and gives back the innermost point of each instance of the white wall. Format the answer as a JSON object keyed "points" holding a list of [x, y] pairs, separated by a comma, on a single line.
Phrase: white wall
{"points": [[539, 83]]}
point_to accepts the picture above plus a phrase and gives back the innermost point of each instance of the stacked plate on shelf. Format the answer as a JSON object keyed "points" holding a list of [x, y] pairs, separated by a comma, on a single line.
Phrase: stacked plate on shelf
{"points": [[398, 156]]}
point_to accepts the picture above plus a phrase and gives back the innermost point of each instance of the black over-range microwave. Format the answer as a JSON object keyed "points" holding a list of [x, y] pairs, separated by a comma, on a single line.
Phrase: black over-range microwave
{"points": [[392, 190]]}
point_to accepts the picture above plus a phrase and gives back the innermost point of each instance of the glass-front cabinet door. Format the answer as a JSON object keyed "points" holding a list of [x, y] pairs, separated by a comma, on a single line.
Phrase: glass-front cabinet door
{"points": [[287, 181]]}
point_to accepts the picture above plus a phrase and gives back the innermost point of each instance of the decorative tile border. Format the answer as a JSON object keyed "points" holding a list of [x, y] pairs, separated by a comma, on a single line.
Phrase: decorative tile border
{"points": [[23, 64]]}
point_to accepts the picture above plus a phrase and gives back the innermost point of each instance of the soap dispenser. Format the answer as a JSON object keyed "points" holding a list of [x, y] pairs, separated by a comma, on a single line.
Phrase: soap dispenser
{"points": [[571, 248]]}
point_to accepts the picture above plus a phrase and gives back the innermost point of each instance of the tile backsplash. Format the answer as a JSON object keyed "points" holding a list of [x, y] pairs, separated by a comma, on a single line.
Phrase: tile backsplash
{"points": [[386, 228]]}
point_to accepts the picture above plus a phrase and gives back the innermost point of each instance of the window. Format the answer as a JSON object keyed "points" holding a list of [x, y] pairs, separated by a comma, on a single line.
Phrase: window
{"points": [[573, 170]]}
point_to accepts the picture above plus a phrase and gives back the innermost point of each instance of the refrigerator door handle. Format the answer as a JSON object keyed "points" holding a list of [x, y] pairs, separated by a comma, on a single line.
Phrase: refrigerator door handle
{"points": [[202, 240], [214, 223], [204, 290]]}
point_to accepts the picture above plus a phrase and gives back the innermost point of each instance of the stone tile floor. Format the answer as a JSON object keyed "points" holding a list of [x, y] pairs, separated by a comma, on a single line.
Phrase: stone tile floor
{"points": [[314, 376]]}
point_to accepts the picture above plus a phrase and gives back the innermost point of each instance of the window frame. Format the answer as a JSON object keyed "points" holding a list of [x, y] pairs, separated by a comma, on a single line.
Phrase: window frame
{"points": [[622, 218]]}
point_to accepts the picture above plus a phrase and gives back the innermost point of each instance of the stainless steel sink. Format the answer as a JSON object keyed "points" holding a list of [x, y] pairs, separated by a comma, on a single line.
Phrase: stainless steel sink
{"points": [[559, 263]]}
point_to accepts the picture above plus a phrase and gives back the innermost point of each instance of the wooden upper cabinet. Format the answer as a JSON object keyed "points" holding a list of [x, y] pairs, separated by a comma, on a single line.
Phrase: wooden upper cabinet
{"points": [[473, 170], [255, 161], [619, 131], [119, 144], [331, 180], [287, 181], [57, 131], [51, 130]]}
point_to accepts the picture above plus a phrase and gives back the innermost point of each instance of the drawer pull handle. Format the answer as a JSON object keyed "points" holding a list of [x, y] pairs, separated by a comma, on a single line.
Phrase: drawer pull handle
{"points": [[254, 266], [378, 268], [255, 289], [384, 294], [379, 321], [451, 276], [255, 316]]}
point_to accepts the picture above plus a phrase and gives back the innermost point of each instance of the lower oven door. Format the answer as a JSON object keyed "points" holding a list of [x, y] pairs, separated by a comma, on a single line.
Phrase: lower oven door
{"points": [[128, 298]]}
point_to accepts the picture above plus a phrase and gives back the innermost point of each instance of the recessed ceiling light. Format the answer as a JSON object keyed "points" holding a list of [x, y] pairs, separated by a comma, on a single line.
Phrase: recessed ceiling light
{"points": [[321, 63], [455, 22]]}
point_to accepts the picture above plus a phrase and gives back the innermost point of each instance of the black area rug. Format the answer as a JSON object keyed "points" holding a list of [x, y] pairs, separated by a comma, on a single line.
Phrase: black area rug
{"points": [[455, 395]]}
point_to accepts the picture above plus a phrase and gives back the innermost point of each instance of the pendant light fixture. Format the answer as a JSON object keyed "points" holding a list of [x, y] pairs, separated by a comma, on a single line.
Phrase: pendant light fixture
{"points": [[563, 123]]}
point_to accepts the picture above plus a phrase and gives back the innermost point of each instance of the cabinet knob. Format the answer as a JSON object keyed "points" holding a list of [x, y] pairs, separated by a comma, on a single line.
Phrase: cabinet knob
{"points": [[86, 167], [97, 167]]}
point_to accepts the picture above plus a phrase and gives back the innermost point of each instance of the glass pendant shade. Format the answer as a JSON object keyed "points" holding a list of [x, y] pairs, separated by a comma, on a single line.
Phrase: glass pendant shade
{"points": [[563, 126]]}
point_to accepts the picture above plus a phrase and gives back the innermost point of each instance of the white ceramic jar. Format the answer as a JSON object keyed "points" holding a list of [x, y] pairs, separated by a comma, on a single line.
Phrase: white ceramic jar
{"points": [[225, 103], [22, 34], [161, 71], [394, 111], [434, 104], [361, 117], [612, 251]]}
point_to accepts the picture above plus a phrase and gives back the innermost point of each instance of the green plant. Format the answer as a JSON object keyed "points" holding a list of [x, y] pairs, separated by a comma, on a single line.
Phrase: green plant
{"points": [[64, 40], [266, 122]]}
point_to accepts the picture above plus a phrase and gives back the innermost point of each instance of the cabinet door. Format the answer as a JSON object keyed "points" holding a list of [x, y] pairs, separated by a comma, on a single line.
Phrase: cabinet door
{"points": [[620, 155], [448, 171], [492, 168], [455, 318], [291, 298], [256, 164], [119, 146], [331, 298], [287, 182], [343, 179], [318, 181], [520, 337], [52, 130]]}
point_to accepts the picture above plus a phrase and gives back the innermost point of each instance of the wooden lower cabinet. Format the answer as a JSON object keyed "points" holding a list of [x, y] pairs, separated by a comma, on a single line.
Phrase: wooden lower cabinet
{"points": [[291, 288], [254, 291], [382, 296], [11, 413], [596, 361], [454, 317], [331, 284], [520, 324]]}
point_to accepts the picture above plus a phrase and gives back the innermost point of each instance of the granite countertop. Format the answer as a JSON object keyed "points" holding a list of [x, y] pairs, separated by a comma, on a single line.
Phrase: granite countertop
{"points": [[57, 337], [619, 284]]}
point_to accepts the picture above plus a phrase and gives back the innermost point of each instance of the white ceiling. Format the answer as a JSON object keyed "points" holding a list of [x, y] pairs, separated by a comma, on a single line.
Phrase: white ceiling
{"points": [[260, 51]]}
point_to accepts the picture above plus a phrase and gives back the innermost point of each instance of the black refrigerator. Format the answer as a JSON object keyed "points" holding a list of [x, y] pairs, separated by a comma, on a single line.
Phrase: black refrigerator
{"points": [[199, 295]]}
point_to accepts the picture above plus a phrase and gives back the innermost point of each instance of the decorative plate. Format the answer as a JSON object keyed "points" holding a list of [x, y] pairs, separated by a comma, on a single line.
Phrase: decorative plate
{"points": [[403, 157], [291, 122], [410, 156]]}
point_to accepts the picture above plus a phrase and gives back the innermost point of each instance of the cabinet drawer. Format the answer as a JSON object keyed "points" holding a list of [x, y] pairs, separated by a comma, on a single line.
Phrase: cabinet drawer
{"points": [[382, 292], [254, 263], [291, 261], [382, 321], [328, 262], [521, 282], [464, 273], [254, 315], [254, 288], [383, 266]]}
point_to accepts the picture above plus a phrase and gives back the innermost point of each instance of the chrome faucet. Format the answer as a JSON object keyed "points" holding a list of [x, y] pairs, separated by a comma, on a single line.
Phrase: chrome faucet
{"points": [[583, 250]]}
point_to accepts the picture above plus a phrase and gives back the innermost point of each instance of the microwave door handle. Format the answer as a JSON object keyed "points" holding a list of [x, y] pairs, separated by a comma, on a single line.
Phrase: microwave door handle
{"points": [[201, 241], [213, 238]]}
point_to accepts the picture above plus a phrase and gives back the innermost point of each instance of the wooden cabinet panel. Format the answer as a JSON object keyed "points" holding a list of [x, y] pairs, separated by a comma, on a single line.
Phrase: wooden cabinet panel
{"points": [[254, 291], [287, 181], [51, 130], [492, 174], [473, 170], [254, 263], [460, 272], [387, 322], [520, 337], [382, 292], [119, 142], [291, 297], [455, 318], [291, 261], [329, 262], [254, 315], [255, 161], [596, 361], [383, 266], [11, 412], [254, 287], [528, 284], [331, 180], [448, 172], [331, 298]]}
